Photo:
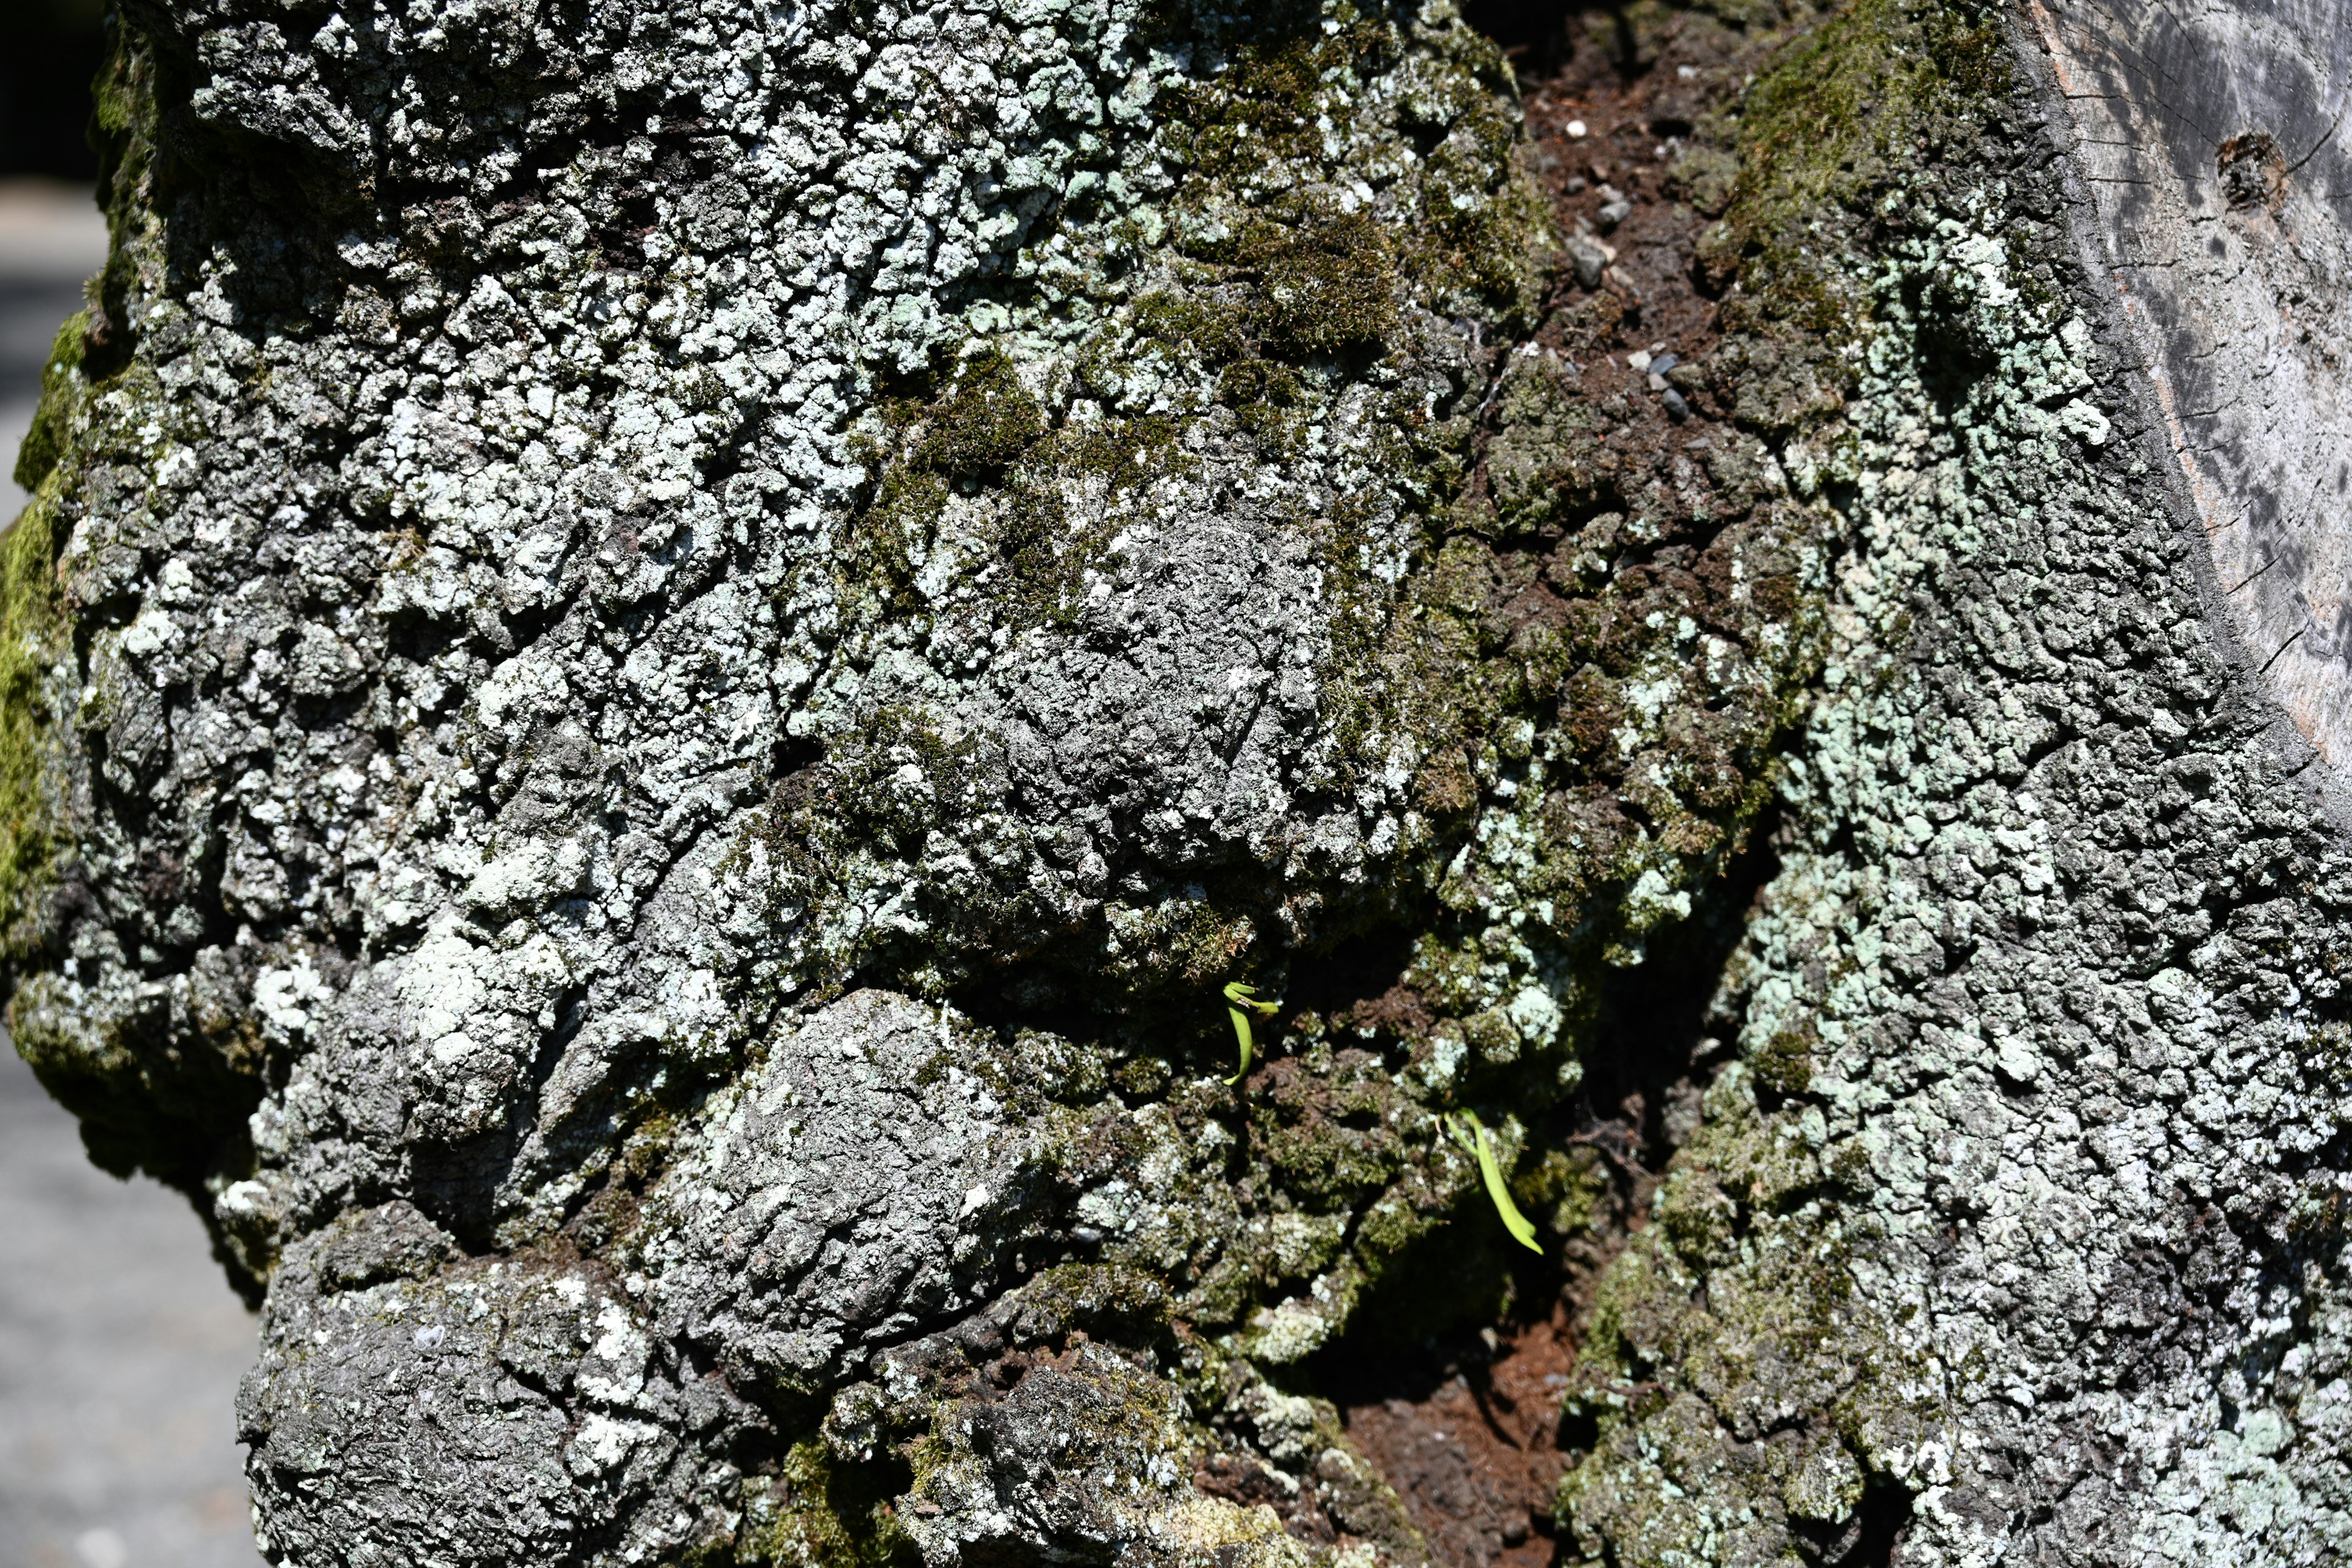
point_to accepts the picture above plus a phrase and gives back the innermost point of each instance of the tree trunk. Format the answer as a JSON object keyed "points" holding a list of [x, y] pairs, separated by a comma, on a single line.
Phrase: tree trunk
{"points": [[665, 656]]}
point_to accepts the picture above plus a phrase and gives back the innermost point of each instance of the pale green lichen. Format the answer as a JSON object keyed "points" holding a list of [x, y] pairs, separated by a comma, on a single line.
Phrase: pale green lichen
{"points": [[1743, 1390], [1750, 1396]]}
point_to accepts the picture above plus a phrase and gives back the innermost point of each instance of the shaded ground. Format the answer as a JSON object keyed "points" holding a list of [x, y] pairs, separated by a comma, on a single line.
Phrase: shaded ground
{"points": [[1477, 1456], [121, 1345]]}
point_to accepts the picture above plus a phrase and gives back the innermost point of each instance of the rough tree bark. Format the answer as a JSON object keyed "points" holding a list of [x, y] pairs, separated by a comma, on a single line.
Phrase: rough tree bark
{"points": [[665, 653]]}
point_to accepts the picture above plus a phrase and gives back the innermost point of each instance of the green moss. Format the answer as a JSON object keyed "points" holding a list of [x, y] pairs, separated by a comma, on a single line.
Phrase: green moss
{"points": [[1573, 1182], [1836, 122], [1213, 331], [1740, 1297], [1326, 279], [1054, 494], [1546, 465], [60, 392], [812, 1513], [1785, 1062], [1486, 223], [1268, 68], [1265, 397], [983, 424], [878, 559], [1066, 504], [1256, 124], [1334, 1138], [31, 639]]}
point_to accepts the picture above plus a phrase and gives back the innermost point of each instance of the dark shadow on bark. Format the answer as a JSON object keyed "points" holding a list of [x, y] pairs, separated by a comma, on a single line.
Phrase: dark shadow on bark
{"points": [[1869, 1540], [1539, 36], [1656, 1041], [457, 1185]]}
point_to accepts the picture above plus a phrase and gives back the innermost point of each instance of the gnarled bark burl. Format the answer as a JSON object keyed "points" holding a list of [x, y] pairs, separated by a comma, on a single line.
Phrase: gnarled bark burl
{"points": [[666, 652]]}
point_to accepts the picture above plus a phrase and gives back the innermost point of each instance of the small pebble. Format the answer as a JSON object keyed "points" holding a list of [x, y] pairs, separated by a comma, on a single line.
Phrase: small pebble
{"points": [[1688, 73], [1657, 381], [1663, 363], [1611, 214], [1638, 359], [1576, 130], [1577, 185], [1589, 259], [1676, 408]]}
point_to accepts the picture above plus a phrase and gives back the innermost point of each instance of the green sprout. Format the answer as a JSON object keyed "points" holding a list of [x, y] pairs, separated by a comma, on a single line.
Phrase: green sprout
{"points": [[1475, 1141], [1238, 1003]]}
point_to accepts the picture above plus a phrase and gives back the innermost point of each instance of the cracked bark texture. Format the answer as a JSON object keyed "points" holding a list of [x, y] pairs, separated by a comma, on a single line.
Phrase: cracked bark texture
{"points": [[663, 654]]}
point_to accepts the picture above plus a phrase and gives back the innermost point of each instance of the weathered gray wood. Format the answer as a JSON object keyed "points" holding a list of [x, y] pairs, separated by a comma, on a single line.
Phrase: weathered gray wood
{"points": [[2216, 141]]}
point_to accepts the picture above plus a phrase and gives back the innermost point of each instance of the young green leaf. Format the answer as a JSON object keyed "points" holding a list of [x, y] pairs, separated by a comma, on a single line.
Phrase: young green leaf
{"points": [[1475, 1141], [1237, 998]]}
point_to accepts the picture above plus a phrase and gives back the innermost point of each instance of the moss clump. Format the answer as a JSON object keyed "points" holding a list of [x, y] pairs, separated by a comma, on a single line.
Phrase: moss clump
{"points": [[1050, 497], [1335, 1138], [984, 423], [878, 559], [1168, 320], [1836, 124], [1759, 1406], [1326, 281], [1784, 1063], [44, 442], [1479, 229], [1068, 500], [1232, 121], [1258, 122], [88, 358], [812, 1512], [31, 636]]}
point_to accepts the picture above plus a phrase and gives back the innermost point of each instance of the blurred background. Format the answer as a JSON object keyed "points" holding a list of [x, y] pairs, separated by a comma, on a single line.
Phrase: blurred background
{"points": [[120, 1344], [50, 49]]}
